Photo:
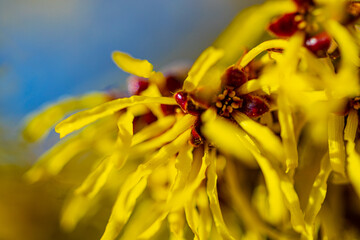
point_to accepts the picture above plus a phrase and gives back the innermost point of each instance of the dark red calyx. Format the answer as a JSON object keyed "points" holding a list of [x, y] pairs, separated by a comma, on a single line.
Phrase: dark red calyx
{"points": [[285, 26], [233, 77], [304, 3], [137, 85], [182, 99], [149, 117], [173, 84], [168, 109], [141, 121], [193, 109], [319, 44], [254, 106], [196, 139], [187, 104]]}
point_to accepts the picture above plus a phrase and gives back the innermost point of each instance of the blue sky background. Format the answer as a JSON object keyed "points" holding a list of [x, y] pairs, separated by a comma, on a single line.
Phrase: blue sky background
{"points": [[51, 49]]}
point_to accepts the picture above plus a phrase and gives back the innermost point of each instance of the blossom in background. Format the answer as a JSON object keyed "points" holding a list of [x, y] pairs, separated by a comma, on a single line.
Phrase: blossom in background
{"points": [[252, 148]]}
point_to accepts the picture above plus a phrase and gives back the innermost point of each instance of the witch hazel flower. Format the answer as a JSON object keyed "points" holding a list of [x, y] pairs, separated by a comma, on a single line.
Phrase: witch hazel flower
{"points": [[224, 149]]}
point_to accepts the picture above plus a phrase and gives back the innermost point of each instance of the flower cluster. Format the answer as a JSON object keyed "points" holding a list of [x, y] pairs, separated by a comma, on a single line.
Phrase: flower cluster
{"points": [[261, 144]]}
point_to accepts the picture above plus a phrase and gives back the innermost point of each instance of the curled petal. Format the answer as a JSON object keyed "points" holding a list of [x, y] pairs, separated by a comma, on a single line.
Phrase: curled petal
{"points": [[84, 118], [138, 67], [249, 56], [124, 139], [318, 192], [212, 193], [351, 126], [353, 166], [336, 143], [288, 133]]}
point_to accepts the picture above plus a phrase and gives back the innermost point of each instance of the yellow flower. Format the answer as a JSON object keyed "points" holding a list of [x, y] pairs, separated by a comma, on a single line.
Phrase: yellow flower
{"points": [[246, 146]]}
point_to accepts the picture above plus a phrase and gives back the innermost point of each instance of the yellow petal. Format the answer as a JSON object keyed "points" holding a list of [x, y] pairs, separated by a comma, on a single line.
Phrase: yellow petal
{"points": [[267, 139], [183, 166], [212, 193], [287, 133], [249, 56], [205, 218], [196, 176], [176, 224], [249, 86], [84, 118], [192, 217], [221, 133], [124, 140], [318, 192], [40, 124], [154, 227], [336, 143], [127, 63], [292, 202], [351, 126], [180, 126], [353, 166], [154, 129], [206, 60], [153, 91], [74, 211], [96, 180], [137, 222]]}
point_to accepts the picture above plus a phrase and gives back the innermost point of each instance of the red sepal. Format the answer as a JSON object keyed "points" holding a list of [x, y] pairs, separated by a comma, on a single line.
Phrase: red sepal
{"points": [[319, 44], [196, 139], [173, 83], [181, 98], [168, 109], [304, 4], [254, 106], [285, 26], [233, 77]]}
